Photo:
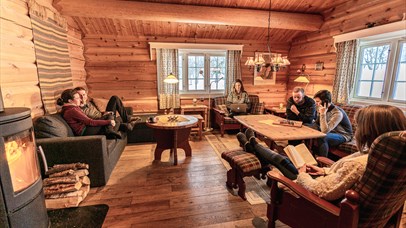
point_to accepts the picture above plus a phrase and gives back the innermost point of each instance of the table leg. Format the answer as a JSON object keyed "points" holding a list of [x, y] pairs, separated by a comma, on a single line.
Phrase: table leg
{"points": [[175, 145]]}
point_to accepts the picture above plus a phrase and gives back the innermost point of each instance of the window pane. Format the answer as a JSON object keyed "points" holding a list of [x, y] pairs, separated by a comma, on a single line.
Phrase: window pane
{"points": [[400, 91], [380, 70], [180, 72], [403, 51], [377, 89], [192, 85], [200, 84], [364, 88], [217, 72], [401, 72], [382, 54], [368, 55], [366, 72]]}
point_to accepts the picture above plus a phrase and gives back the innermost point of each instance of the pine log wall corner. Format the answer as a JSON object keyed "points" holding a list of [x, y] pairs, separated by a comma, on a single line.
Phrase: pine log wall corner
{"points": [[111, 56], [319, 46]]}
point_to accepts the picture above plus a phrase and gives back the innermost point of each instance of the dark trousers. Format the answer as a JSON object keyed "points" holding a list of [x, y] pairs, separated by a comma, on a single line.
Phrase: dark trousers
{"points": [[102, 130], [116, 105]]}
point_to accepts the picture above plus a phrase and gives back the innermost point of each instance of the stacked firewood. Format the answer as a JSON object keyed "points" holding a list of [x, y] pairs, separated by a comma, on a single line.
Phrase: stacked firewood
{"points": [[67, 185]]}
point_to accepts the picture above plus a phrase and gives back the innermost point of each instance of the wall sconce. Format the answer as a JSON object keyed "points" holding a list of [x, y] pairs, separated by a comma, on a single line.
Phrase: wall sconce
{"points": [[303, 78]]}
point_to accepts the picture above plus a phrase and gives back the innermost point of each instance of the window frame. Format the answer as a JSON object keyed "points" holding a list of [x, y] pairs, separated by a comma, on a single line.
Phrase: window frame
{"points": [[185, 71], [391, 70]]}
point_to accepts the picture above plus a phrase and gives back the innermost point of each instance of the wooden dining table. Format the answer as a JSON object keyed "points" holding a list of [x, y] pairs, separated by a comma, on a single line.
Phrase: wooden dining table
{"points": [[264, 125], [172, 132]]}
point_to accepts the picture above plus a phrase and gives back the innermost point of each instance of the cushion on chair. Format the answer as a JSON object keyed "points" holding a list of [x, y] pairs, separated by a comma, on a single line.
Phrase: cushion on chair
{"points": [[229, 120], [348, 147], [257, 108], [53, 125]]}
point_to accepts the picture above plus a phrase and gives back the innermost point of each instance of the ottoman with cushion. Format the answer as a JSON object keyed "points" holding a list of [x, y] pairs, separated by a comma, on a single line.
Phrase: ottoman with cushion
{"points": [[242, 164]]}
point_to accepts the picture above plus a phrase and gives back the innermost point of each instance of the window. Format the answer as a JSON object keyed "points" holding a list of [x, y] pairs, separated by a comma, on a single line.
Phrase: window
{"points": [[200, 69], [381, 70]]}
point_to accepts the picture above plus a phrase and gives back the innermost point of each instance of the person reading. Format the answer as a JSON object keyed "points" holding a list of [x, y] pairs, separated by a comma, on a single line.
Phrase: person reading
{"points": [[332, 182]]}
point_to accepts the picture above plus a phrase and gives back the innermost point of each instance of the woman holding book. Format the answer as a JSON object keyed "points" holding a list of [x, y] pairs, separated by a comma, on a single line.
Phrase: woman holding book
{"points": [[331, 183]]}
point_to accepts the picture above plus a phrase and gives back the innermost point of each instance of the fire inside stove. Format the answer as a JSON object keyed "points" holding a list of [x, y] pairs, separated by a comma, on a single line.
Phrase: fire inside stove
{"points": [[22, 161]]}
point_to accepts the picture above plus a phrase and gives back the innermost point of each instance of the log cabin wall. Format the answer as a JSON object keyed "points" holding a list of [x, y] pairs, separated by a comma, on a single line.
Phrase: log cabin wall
{"points": [[18, 71], [319, 46], [121, 65]]}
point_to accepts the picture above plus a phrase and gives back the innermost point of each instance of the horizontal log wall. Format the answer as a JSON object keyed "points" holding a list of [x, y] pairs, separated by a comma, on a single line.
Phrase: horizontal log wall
{"points": [[319, 46], [122, 66], [18, 71]]}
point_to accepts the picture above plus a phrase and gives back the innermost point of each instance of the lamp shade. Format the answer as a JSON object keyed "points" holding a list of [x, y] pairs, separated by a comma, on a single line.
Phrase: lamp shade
{"points": [[171, 79], [250, 61], [302, 78]]}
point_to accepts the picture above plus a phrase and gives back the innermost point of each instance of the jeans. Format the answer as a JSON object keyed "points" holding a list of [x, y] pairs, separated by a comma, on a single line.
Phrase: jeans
{"points": [[116, 105], [331, 139]]}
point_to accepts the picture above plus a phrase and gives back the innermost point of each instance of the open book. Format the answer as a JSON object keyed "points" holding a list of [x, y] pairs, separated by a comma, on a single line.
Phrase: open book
{"points": [[300, 155], [290, 123]]}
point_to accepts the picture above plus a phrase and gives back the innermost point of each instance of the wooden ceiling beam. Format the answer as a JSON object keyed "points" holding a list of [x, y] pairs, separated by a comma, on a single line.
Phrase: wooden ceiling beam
{"points": [[146, 11]]}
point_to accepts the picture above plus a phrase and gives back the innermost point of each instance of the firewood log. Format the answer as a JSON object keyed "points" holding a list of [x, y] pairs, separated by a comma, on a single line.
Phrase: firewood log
{"points": [[61, 180], [62, 167], [63, 173], [82, 172], [61, 188], [85, 180]]}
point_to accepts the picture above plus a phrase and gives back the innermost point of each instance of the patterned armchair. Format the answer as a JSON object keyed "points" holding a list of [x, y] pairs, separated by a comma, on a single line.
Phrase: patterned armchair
{"points": [[376, 200], [226, 123]]}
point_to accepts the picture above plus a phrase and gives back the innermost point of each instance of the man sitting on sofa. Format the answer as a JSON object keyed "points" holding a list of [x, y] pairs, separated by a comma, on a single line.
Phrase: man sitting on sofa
{"points": [[113, 106]]}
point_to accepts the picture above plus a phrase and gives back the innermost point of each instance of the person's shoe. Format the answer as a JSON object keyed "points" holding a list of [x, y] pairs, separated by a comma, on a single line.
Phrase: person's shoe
{"points": [[249, 133], [242, 139], [130, 126], [253, 141], [113, 135]]}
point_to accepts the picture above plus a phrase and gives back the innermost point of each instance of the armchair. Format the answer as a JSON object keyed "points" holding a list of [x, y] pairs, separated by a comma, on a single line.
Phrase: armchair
{"points": [[376, 200], [227, 123]]}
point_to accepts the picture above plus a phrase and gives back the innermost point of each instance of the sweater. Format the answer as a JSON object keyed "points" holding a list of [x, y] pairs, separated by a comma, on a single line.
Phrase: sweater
{"points": [[91, 110], [78, 120], [307, 110], [240, 98], [340, 177], [335, 121]]}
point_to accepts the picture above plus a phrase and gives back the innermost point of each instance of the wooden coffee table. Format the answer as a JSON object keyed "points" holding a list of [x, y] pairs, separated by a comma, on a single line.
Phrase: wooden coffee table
{"points": [[172, 135]]}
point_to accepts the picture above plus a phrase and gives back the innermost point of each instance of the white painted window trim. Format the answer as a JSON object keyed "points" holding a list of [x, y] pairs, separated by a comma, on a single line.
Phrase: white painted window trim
{"points": [[155, 45], [399, 26]]}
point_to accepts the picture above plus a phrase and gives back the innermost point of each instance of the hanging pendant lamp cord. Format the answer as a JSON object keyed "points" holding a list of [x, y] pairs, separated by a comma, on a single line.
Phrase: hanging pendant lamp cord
{"points": [[269, 28]]}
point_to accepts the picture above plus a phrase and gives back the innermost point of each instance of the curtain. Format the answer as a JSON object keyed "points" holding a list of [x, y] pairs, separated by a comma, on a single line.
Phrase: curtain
{"points": [[233, 68], [167, 62], [345, 71], [52, 54]]}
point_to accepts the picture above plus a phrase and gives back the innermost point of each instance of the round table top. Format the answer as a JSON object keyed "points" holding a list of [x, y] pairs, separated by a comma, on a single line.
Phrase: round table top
{"points": [[172, 122]]}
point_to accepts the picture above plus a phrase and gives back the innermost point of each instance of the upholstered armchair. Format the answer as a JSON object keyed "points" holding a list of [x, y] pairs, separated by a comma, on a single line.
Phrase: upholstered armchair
{"points": [[228, 123], [376, 200]]}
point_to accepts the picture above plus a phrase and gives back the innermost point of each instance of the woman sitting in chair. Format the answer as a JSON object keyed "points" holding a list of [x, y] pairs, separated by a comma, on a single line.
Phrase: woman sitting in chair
{"points": [[331, 183], [238, 95]]}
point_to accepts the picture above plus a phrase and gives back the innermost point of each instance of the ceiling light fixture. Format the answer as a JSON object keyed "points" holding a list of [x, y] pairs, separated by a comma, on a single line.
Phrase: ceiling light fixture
{"points": [[275, 60]]}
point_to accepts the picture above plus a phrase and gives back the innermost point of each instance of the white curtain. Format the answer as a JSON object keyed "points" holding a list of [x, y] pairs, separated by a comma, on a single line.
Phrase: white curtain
{"points": [[167, 62], [345, 71], [233, 68]]}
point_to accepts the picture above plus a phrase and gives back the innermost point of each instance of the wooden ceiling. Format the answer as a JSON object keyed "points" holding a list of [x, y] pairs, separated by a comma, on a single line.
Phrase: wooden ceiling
{"points": [[199, 19]]}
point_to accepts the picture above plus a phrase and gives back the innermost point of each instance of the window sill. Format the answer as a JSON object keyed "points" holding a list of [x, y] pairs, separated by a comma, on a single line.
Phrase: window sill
{"points": [[355, 101]]}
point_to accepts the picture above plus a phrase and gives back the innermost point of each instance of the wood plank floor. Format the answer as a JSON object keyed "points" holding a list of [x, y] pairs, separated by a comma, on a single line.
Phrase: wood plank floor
{"points": [[143, 193]]}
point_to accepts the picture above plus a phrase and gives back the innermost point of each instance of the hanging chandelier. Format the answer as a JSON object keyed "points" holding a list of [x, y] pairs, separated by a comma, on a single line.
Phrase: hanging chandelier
{"points": [[275, 60]]}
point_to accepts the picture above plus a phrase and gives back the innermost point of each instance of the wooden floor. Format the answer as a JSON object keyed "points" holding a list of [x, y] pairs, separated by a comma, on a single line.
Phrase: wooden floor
{"points": [[143, 193]]}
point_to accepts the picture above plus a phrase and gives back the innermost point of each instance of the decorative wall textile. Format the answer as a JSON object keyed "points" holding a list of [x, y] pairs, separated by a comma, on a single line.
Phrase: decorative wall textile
{"points": [[167, 62], [233, 68], [345, 71], [52, 54]]}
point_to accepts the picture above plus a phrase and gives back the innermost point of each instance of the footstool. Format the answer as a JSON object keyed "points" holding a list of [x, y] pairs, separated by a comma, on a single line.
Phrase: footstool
{"points": [[242, 164]]}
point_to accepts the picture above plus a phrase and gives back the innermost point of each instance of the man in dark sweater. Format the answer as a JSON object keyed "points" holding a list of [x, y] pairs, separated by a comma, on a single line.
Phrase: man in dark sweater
{"points": [[301, 107]]}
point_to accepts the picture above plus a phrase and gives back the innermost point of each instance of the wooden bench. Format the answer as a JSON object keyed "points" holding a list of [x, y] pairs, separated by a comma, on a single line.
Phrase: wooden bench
{"points": [[242, 164]]}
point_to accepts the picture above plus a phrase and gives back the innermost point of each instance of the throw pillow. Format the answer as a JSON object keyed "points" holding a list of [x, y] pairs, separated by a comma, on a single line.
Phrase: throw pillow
{"points": [[223, 108], [257, 108], [50, 126]]}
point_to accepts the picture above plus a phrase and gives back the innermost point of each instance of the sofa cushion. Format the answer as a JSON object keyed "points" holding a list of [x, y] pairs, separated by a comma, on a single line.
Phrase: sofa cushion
{"points": [[53, 125]]}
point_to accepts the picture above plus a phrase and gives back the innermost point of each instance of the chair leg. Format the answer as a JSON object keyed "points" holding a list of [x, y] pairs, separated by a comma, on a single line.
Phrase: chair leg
{"points": [[241, 186], [222, 129], [230, 178]]}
